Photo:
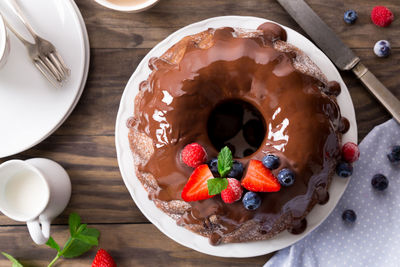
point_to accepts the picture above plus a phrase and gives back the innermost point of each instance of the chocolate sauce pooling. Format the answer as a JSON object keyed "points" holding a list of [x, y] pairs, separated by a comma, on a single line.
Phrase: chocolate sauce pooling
{"points": [[301, 124]]}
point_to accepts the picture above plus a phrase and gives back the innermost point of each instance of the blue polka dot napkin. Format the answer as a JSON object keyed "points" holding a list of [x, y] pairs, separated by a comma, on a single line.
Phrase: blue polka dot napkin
{"points": [[374, 239]]}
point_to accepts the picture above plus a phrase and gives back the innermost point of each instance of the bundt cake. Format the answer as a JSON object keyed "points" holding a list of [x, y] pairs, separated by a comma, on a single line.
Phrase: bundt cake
{"points": [[255, 93]]}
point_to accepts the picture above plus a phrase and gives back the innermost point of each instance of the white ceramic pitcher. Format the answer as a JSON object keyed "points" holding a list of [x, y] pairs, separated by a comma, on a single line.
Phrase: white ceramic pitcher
{"points": [[34, 191]]}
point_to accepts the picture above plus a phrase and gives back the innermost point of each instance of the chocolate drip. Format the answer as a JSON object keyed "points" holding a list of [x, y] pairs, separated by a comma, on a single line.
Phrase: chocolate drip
{"points": [[344, 125], [322, 195], [298, 227], [301, 123], [333, 88]]}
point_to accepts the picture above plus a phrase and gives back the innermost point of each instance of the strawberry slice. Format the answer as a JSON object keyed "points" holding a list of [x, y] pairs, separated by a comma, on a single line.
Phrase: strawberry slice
{"points": [[259, 178], [196, 187]]}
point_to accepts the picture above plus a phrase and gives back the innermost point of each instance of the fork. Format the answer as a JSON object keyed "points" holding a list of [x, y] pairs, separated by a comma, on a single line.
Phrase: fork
{"points": [[43, 53]]}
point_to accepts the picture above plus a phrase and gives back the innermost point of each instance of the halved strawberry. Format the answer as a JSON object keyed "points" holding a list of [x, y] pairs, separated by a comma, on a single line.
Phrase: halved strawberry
{"points": [[196, 187], [259, 178]]}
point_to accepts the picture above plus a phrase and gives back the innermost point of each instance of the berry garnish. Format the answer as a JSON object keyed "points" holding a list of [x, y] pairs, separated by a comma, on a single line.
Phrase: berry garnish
{"points": [[251, 201], [213, 165], [233, 192], [382, 48], [236, 170], [350, 152], [259, 178], [350, 16], [381, 16], [286, 177], [394, 155], [271, 161], [379, 182], [344, 169], [349, 216], [196, 188], [193, 155], [224, 166], [103, 259]]}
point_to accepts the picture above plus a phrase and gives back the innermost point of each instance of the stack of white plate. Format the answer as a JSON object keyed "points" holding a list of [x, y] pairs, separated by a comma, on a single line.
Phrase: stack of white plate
{"points": [[30, 107]]}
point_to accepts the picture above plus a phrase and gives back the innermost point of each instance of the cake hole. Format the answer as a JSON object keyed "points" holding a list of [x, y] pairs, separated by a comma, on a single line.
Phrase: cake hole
{"points": [[238, 125]]}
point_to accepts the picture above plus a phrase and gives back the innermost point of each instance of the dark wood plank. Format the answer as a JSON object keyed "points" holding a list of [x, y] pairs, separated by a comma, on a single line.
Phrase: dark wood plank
{"points": [[98, 192], [129, 245], [110, 29]]}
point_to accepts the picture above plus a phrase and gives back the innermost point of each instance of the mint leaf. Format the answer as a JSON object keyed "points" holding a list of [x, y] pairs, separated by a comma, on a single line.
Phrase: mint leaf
{"points": [[80, 229], [75, 248], [89, 236], [14, 261], [91, 232], [225, 161], [53, 244], [216, 185], [74, 221]]}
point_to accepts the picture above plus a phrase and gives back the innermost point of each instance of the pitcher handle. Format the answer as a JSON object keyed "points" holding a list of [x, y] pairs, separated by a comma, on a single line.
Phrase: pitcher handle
{"points": [[39, 231]]}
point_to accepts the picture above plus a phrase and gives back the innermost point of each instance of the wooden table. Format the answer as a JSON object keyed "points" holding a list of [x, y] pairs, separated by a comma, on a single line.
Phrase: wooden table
{"points": [[84, 145]]}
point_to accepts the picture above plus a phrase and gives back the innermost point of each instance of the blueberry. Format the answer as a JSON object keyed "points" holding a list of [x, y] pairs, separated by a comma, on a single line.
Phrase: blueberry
{"points": [[236, 171], [251, 201], [349, 216], [213, 165], [271, 162], [344, 169], [382, 48], [394, 155], [350, 16], [286, 177], [379, 182]]}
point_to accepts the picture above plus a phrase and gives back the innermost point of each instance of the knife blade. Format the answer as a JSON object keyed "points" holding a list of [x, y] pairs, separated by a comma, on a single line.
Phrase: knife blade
{"points": [[341, 55]]}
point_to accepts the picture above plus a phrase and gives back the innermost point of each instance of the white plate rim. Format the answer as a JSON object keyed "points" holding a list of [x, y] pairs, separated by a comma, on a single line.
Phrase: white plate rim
{"points": [[128, 8], [162, 221], [3, 39], [86, 62]]}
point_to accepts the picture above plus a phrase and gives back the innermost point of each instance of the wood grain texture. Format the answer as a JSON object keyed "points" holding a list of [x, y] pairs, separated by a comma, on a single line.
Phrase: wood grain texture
{"points": [[129, 245], [84, 145]]}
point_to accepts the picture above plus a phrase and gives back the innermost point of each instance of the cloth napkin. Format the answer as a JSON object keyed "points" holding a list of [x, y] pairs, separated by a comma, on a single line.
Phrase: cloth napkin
{"points": [[374, 238]]}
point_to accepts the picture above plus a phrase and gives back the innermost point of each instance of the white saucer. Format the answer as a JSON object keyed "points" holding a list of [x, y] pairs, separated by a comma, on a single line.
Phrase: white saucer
{"points": [[30, 107], [162, 221]]}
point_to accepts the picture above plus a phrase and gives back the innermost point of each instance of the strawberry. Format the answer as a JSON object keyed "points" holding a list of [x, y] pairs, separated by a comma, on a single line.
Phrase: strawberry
{"points": [[259, 178], [193, 155], [103, 259], [350, 152], [233, 192], [196, 187]]}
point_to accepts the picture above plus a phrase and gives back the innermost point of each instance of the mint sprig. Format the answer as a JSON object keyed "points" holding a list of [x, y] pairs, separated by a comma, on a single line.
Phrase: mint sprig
{"points": [[225, 161], [216, 185], [82, 239]]}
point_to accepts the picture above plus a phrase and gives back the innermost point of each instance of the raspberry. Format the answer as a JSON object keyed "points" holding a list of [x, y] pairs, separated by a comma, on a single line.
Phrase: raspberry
{"points": [[350, 152], [233, 192], [381, 16], [193, 155]]}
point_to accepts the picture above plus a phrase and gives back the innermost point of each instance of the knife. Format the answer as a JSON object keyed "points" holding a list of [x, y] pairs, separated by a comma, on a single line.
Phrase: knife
{"points": [[341, 55]]}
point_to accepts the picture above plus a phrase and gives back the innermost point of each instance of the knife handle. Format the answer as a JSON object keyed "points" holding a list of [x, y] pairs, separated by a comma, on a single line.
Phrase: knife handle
{"points": [[388, 100]]}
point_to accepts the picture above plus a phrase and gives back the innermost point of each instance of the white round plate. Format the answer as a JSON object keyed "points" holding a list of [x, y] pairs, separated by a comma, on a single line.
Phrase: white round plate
{"points": [[30, 107], [163, 222]]}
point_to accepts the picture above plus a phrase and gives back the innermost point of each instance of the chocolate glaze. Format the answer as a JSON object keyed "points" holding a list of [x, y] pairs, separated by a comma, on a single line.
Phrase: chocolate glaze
{"points": [[301, 124]]}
